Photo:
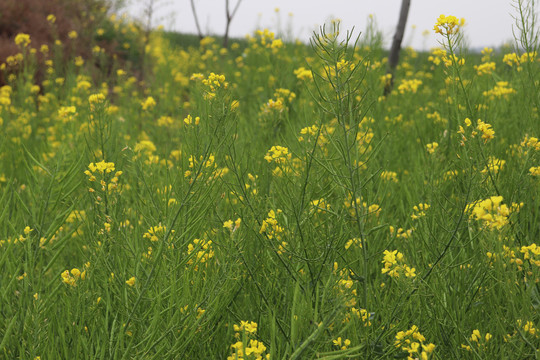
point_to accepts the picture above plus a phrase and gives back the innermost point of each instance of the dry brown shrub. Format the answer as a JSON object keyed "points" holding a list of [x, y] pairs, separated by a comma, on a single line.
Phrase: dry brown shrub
{"points": [[30, 17]]}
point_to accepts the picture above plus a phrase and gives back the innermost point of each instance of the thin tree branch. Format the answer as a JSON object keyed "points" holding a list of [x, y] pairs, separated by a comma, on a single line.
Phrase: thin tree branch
{"points": [[199, 32], [393, 57]]}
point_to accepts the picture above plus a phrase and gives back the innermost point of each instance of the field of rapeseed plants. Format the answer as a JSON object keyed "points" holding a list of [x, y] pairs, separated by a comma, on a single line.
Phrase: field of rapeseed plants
{"points": [[267, 202]]}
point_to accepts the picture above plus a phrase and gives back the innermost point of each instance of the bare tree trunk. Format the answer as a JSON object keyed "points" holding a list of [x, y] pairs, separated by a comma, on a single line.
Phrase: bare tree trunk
{"points": [[199, 32], [393, 57], [229, 16]]}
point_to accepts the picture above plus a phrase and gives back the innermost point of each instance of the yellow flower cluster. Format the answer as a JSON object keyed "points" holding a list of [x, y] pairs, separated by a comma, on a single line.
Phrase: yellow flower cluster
{"points": [[232, 226], [131, 281], [103, 168], [148, 103], [419, 211], [188, 120], [363, 315], [282, 98], [266, 39], [72, 277], [511, 59], [278, 154], [249, 327], [486, 54], [342, 344], [303, 73], [155, 232], [273, 105], [66, 113], [494, 165], [534, 171], [22, 40], [531, 253], [412, 341], [5, 96], [432, 147], [76, 215], [364, 208], [491, 212], [284, 94], [514, 59], [212, 83], [270, 225], [19, 239], [500, 90], [354, 241], [440, 55], [485, 68], [530, 142], [252, 349], [144, 146], [524, 328], [476, 337], [320, 205], [448, 25], [486, 129], [409, 86], [96, 99], [394, 266], [528, 327], [401, 233], [437, 55], [389, 176], [12, 61], [204, 251], [309, 130]]}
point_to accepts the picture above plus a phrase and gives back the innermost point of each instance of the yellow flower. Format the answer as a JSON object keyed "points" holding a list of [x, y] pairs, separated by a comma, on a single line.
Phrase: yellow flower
{"points": [[22, 40], [432, 147], [409, 86], [131, 281], [303, 73], [149, 103], [485, 69], [487, 132], [278, 154], [94, 99], [501, 89], [534, 171], [448, 25], [247, 326], [276, 44]]}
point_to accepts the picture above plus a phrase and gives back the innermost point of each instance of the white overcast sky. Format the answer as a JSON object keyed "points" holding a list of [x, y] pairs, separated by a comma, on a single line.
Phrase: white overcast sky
{"points": [[489, 22]]}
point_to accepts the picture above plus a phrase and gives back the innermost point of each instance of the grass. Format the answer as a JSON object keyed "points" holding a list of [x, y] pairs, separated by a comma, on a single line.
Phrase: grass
{"points": [[267, 201]]}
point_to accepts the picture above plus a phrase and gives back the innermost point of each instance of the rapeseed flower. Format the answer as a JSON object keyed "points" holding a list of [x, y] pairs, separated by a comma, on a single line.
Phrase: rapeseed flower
{"points": [[486, 129], [491, 212], [131, 281], [148, 104], [432, 147], [303, 73], [448, 25], [407, 86], [22, 40]]}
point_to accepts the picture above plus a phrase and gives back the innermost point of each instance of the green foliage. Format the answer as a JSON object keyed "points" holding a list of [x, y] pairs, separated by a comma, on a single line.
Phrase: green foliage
{"points": [[266, 200]]}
